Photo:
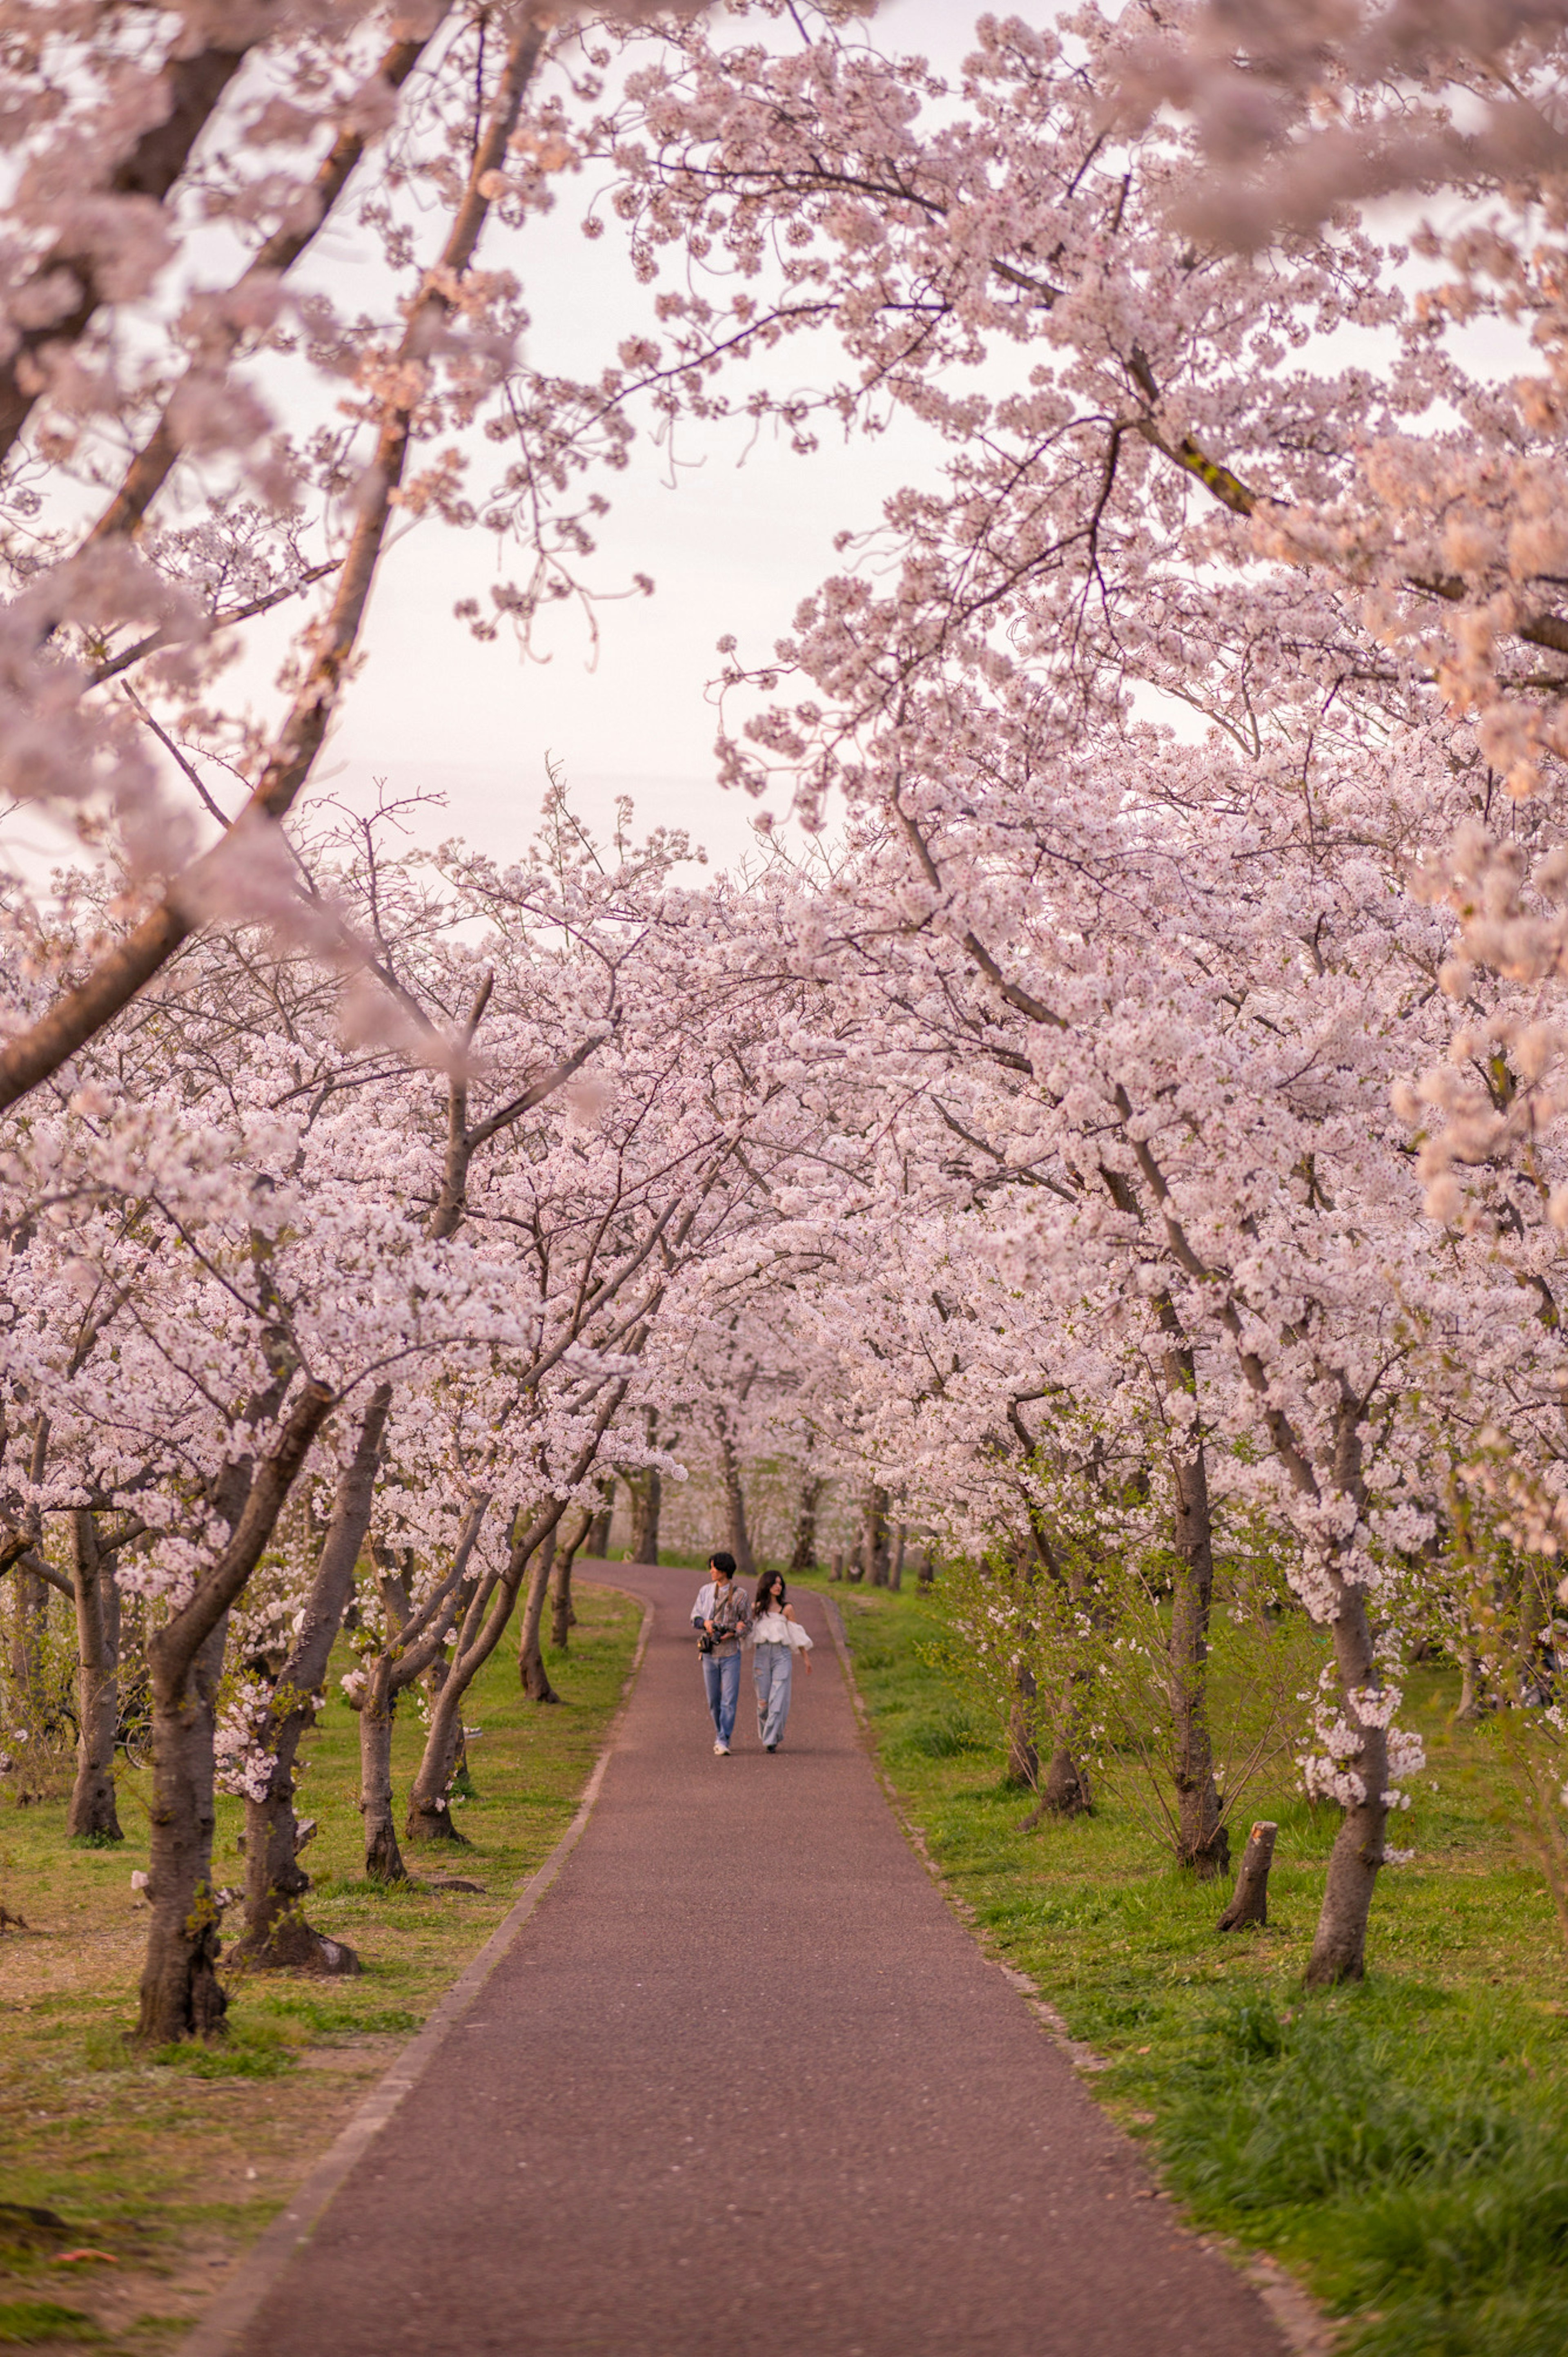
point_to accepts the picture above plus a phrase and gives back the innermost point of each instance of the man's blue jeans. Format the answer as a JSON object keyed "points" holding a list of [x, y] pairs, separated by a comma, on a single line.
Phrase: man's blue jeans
{"points": [[722, 1680]]}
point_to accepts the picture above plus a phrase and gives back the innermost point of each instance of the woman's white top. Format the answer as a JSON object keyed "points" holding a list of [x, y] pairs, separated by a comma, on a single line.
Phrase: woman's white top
{"points": [[773, 1628]]}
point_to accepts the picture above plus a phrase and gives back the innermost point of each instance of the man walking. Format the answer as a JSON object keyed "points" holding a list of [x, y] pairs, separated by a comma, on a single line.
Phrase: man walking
{"points": [[721, 1616]]}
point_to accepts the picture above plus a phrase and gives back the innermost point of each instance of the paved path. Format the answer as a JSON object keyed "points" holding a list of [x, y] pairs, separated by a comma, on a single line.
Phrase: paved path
{"points": [[745, 2087]]}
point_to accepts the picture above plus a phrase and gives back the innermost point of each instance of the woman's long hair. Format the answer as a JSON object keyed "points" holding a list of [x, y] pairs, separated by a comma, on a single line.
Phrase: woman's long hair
{"points": [[769, 1580]]}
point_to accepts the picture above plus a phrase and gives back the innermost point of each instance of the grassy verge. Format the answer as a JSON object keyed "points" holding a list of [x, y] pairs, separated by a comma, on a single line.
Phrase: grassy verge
{"points": [[166, 2168], [1403, 2145]]}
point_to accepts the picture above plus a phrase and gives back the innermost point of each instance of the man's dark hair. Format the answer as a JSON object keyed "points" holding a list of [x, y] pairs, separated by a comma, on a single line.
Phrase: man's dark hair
{"points": [[722, 1563]]}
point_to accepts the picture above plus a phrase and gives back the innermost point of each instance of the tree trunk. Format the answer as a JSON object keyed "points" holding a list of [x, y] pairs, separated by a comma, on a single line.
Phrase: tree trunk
{"points": [[430, 1801], [93, 1816], [1063, 1793], [896, 1562], [561, 1617], [803, 1553], [874, 1534], [835, 1568], [1339, 1943], [181, 1997], [1202, 1841], [1250, 1901], [734, 1500], [383, 1859], [647, 1496], [596, 1546], [180, 1993], [483, 1626], [530, 1666], [1470, 1706], [1022, 1753], [275, 1883]]}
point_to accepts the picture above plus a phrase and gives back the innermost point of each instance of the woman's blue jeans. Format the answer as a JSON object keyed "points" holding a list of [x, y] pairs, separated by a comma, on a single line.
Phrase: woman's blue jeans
{"points": [[771, 1666], [721, 1679]]}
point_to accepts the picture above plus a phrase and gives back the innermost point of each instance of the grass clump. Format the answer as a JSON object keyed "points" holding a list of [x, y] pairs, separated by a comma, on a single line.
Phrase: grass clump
{"points": [[24, 2322]]}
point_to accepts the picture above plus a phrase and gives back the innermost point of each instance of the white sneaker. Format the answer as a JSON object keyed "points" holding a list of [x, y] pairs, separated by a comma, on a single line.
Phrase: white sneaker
{"points": [[721, 1751]]}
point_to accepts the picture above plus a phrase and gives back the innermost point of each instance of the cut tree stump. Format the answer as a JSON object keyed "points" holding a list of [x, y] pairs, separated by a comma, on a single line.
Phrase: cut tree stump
{"points": [[1249, 1899]]}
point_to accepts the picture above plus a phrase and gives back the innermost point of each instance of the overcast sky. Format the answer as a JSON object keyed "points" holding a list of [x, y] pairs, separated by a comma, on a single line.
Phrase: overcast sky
{"points": [[731, 547]]}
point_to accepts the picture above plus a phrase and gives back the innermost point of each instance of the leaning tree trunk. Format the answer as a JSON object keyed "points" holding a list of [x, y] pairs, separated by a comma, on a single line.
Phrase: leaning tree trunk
{"points": [[803, 1553], [1339, 1943], [93, 1816], [734, 1500], [1202, 1841], [275, 1883], [484, 1624], [383, 1859]]}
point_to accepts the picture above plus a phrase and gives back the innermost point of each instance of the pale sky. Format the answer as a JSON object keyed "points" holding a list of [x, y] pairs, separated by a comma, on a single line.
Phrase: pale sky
{"points": [[732, 548]]}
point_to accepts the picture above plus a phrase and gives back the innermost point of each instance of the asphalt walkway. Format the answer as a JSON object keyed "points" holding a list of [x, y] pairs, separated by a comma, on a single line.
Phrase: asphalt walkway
{"points": [[745, 2087]]}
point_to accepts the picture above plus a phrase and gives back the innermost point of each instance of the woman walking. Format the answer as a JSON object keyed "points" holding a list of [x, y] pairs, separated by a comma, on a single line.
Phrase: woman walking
{"points": [[778, 1637]]}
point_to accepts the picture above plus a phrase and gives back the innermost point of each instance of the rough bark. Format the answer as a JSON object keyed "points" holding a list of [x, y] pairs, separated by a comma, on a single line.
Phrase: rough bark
{"points": [[180, 1996], [596, 1544], [276, 1932], [383, 1859], [1065, 1791], [874, 1534], [93, 1816], [1249, 1899], [562, 1618], [1202, 1841], [647, 1497], [803, 1553], [1339, 1943]]}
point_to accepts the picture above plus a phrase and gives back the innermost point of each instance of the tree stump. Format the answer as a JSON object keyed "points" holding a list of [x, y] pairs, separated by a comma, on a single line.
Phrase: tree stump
{"points": [[1250, 1901]]}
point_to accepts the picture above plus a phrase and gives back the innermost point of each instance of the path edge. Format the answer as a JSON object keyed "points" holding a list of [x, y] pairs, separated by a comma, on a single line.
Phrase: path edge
{"points": [[215, 2332], [1304, 2328]]}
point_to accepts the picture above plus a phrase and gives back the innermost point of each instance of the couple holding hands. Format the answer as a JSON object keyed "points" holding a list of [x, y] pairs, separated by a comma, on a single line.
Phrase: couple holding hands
{"points": [[725, 1618]]}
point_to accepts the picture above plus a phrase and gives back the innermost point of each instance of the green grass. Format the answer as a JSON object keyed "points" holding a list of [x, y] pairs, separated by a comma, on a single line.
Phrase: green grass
{"points": [[24, 2322], [169, 2161], [1403, 2144]]}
